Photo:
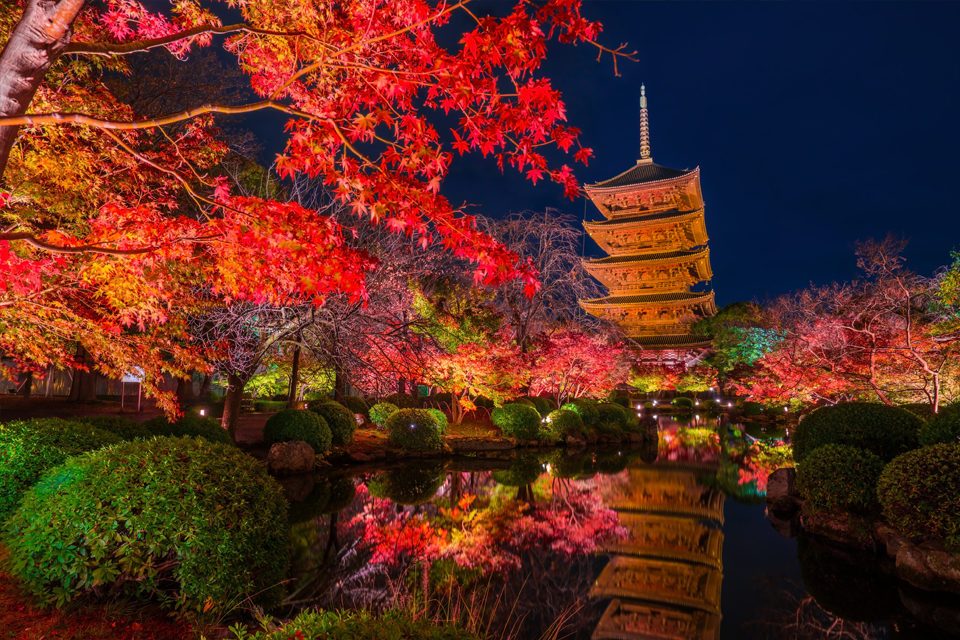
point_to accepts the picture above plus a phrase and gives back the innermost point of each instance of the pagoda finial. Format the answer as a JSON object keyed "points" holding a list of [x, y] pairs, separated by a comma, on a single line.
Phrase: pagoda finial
{"points": [[645, 156]]}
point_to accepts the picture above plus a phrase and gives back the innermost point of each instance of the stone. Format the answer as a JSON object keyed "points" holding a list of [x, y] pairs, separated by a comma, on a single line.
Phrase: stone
{"points": [[928, 569], [782, 483], [291, 458], [841, 528]]}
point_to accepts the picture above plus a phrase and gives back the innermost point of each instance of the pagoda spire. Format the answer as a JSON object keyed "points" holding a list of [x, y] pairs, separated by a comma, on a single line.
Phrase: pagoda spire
{"points": [[645, 156]]}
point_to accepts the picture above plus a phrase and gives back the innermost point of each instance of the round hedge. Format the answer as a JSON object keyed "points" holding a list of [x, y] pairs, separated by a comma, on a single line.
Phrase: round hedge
{"points": [[193, 524], [408, 485], [403, 400], [886, 431], [944, 427], [356, 404], [919, 493], [518, 420], [585, 408], [840, 477], [564, 422], [440, 417], [121, 426], [341, 420], [190, 425], [380, 412], [613, 418], [542, 405], [414, 430], [298, 424], [29, 447]]}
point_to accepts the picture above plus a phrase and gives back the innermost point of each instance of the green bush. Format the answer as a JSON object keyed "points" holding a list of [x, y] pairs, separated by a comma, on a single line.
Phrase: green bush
{"points": [[341, 420], [403, 400], [567, 464], [190, 425], [356, 404], [29, 447], [919, 492], [441, 419], [922, 410], [682, 403], [564, 422], [354, 625], [517, 420], [408, 485], [614, 418], [123, 427], [194, 524], [414, 430], [840, 477], [542, 405], [586, 409], [298, 424], [942, 428], [886, 431], [380, 412]]}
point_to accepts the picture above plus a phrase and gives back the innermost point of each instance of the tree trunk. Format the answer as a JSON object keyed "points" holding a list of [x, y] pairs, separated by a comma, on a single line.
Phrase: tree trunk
{"points": [[185, 391], [339, 383], [43, 31], [231, 404], [294, 378], [27, 385], [83, 388]]}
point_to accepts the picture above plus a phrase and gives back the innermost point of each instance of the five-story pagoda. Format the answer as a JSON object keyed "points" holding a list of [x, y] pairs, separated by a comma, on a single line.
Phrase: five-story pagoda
{"points": [[658, 261]]}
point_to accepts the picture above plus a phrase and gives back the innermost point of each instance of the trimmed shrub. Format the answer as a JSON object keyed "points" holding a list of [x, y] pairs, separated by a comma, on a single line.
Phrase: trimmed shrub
{"points": [[190, 425], [120, 426], [380, 412], [944, 427], [586, 409], [29, 447], [298, 424], [441, 419], [840, 477], [542, 405], [408, 485], [341, 420], [356, 404], [403, 400], [564, 422], [517, 420], [682, 403], [355, 625], [886, 431], [415, 430], [194, 524], [919, 492], [922, 410], [613, 418]]}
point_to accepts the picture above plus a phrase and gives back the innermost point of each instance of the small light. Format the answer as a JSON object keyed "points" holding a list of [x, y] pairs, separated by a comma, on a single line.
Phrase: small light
{"points": [[203, 412], [654, 416], [729, 405], [654, 403], [639, 415], [639, 406], [696, 417], [786, 409], [413, 426], [697, 403]]}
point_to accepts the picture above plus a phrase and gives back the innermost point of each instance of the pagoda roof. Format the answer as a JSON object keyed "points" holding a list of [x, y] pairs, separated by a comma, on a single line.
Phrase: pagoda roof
{"points": [[651, 257], [649, 217], [641, 173], [645, 298], [667, 342]]}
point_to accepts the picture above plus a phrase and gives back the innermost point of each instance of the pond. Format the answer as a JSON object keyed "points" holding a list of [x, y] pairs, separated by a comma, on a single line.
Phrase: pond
{"points": [[667, 541]]}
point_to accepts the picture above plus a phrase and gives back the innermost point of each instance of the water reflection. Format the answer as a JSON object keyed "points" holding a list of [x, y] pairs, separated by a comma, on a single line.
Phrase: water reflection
{"points": [[588, 544]]}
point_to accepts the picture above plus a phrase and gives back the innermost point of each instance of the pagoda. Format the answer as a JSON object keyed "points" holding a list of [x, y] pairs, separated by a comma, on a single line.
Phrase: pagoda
{"points": [[658, 261]]}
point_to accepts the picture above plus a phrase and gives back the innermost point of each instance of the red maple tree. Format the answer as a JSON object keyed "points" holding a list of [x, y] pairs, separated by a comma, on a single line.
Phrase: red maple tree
{"points": [[110, 220]]}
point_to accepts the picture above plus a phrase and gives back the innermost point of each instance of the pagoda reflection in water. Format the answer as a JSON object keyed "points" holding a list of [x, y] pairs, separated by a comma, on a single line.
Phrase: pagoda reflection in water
{"points": [[664, 578]]}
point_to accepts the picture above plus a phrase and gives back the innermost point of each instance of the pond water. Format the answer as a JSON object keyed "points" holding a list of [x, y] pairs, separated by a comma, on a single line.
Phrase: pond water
{"points": [[667, 541]]}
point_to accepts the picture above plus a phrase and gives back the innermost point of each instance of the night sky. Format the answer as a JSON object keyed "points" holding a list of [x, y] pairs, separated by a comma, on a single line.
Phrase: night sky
{"points": [[814, 125]]}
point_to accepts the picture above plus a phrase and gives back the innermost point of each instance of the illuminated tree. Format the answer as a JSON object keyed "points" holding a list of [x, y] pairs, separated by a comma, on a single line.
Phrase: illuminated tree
{"points": [[571, 364], [111, 220]]}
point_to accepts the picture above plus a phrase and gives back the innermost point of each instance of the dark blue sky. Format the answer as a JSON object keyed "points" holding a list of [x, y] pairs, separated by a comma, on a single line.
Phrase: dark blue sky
{"points": [[814, 125]]}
